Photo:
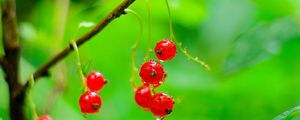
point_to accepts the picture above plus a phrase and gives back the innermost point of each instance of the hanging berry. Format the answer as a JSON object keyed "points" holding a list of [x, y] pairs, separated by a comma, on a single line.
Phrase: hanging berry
{"points": [[95, 81], [143, 96], [90, 102], [161, 104], [152, 72], [44, 117], [165, 50]]}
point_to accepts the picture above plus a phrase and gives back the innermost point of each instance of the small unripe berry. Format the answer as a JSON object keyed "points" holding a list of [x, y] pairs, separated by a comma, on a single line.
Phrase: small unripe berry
{"points": [[152, 72], [161, 104], [95, 81], [45, 117], [90, 102], [165, 50], [143, 96]]}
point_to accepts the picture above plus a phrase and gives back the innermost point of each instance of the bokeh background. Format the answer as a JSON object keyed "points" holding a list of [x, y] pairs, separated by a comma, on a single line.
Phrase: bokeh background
{"points": [[253, 47]]}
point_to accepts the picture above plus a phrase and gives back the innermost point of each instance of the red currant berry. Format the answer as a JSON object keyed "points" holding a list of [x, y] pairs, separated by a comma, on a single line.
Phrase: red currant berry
{"points": [[161, 104], [45, 117], [165, 50], [143, 96], [152, 72], [95, 81], [90, 102]]}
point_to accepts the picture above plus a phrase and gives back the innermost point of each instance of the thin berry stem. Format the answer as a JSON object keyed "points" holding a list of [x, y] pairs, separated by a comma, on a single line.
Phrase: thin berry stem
{"points": [[147, 57], [185, 52], [78, 63], [83, 72], [170, 20], [77, 55], [134, 46], [159, 118], [152, 89], [29, 98]]}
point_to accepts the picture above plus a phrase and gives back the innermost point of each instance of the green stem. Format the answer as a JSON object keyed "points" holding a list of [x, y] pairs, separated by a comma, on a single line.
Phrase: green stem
{"points": [[134, 46], [152, 89], [74, 45], [30, 100], [147, 57], [170, 20], [185, 52]]}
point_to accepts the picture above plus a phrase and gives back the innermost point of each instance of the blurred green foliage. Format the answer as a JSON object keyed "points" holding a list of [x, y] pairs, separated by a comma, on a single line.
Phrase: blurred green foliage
{"points": [[252, 46]]}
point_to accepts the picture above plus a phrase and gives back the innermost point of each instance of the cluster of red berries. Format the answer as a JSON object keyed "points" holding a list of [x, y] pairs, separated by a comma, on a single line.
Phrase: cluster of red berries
{"points": [[90, 101], [152, 74]]}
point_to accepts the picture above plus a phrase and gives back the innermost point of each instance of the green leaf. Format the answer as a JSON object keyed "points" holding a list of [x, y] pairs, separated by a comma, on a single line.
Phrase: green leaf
{"points": [[289, 114]]}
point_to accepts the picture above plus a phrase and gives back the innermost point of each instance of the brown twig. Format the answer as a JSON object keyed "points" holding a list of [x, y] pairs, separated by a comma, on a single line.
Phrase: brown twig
{"points": [[10, 62], [118, 11], [1, 60], [115, 13]]}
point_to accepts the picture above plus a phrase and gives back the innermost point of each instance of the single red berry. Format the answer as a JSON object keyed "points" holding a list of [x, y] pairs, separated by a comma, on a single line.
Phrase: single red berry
{"points": [[152, 72], [161, 104], [90, 102], [165, 50], [95, 81], [45, 117], [143, 96]]}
